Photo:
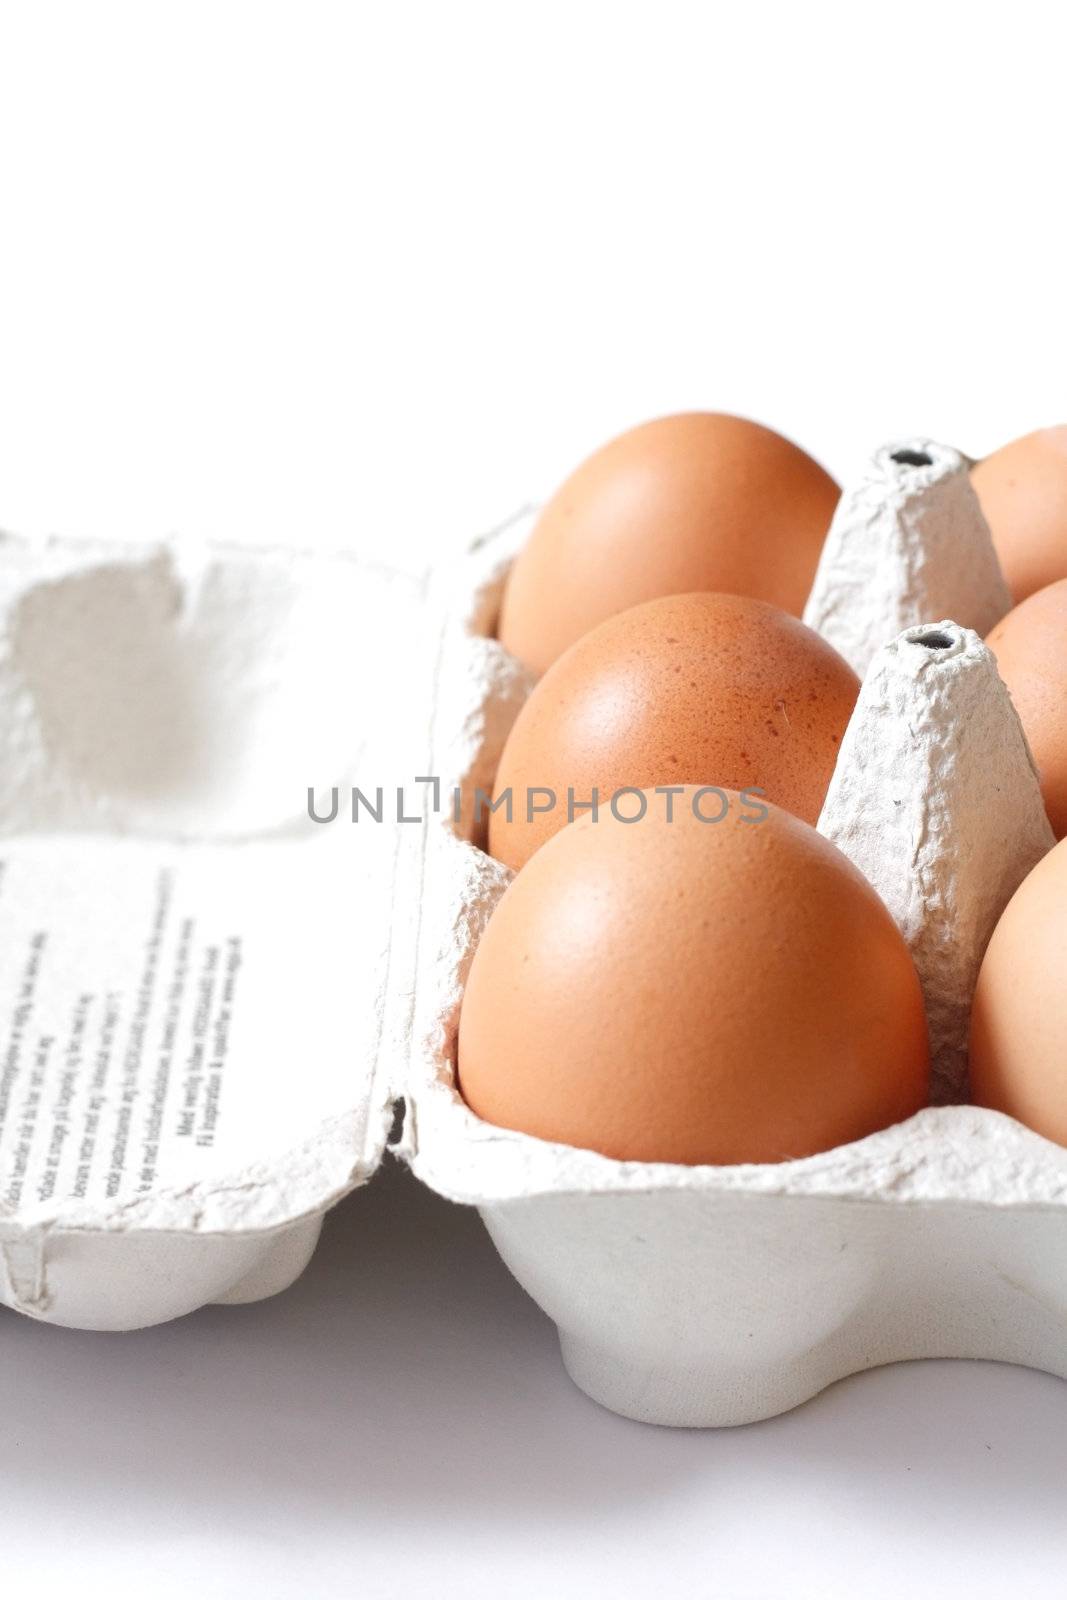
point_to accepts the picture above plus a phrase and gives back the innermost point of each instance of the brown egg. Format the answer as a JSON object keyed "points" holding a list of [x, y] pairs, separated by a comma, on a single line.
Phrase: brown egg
{"points": [[693, 991], [694, 688], [699, 501], [1019, 1018], [1023, 492], [1030, 645]]}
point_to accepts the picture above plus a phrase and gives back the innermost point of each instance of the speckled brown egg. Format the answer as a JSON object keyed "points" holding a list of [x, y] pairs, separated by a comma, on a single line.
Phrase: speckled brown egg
{"points": [[691, 689], [693, 991], [1023, 492], [697, 501], [1019, 1018], [1030, 645]]}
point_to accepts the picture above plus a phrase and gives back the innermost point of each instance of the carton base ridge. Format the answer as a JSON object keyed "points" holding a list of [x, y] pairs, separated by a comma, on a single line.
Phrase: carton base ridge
{"points": [[668, 1399], [102, 1282], [818, 1290], [683, 1399]]}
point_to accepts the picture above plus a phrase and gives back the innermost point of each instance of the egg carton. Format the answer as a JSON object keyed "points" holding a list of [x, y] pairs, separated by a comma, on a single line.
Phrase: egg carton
{"points": [[220, 1007]]}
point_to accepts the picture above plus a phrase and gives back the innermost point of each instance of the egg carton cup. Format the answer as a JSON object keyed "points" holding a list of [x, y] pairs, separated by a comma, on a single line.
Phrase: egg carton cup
{"points": [[219, 1008]]}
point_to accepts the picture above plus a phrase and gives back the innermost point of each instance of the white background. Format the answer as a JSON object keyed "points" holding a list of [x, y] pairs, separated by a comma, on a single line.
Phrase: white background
{"points": [[374, 275]]}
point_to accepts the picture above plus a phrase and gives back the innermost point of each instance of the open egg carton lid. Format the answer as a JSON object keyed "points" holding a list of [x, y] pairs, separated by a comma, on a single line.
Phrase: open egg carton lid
{"points": [[205, 995]]}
